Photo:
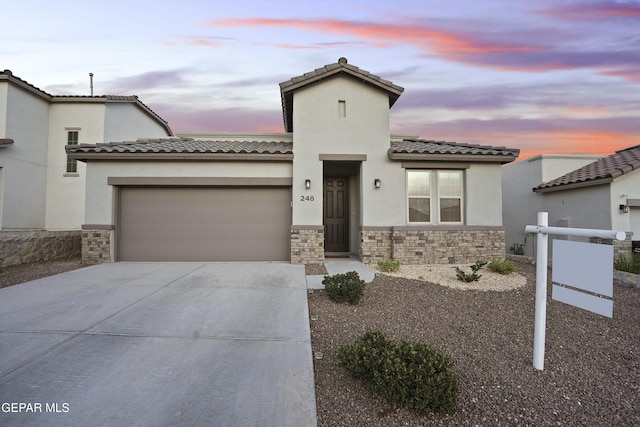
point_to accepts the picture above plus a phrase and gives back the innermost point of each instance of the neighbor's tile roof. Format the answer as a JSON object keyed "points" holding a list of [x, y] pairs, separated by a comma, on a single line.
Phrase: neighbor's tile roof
{"points": [[182, 145], [444, 150], [287, 88], [599, 172]]}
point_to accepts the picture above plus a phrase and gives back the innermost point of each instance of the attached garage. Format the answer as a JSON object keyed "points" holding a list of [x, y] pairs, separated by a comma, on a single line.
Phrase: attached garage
{"points": [[203, 224]]}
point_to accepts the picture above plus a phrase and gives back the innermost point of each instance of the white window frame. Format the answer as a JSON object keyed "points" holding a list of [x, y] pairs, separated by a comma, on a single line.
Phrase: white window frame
{"points": [[434, 196]]}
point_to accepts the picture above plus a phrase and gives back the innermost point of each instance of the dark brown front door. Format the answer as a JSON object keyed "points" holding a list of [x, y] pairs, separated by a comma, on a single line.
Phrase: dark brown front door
{"points": [[336, 214]]}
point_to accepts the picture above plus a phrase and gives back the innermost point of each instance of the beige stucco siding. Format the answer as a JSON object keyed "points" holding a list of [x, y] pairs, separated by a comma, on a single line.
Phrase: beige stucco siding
{"points": [[100, 195], [125, 121], [26, 121], [623, 188], [483, 201], [364, 130], [66, 192]]}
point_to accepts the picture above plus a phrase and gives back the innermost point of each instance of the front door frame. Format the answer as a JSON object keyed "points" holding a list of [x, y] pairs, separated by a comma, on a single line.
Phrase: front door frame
{"points": [[336, 223]]}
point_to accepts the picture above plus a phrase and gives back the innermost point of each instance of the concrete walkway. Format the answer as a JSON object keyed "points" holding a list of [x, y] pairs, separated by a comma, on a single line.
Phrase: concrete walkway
{"points": [[341, 266], [158, 344]]}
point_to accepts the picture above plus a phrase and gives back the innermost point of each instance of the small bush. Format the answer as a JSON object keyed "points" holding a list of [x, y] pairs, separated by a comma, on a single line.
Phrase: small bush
{"points": [[412, 375], [474, 276], [389, 265], [346, 287], [502, 267], [628, 263]]}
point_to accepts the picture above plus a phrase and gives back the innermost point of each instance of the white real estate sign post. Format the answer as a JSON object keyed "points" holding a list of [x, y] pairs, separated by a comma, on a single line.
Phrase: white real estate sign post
{"points": [[581, 265]]}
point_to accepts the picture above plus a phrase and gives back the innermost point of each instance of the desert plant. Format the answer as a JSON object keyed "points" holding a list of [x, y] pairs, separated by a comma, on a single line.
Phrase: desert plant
{"points": [[502, 267], [413, 375], [347, 287], [627, 263], [389, 265], [474, 276]]}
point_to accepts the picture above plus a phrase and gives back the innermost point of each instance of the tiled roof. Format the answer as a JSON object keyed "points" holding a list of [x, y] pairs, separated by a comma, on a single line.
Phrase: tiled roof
{"points": [[440, 150], [182, 146], [288, 87], [599, 172]]}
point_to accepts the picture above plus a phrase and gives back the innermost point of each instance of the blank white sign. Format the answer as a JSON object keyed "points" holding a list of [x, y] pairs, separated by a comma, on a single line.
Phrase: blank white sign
{"points": [[582, 300], [587, 266]]}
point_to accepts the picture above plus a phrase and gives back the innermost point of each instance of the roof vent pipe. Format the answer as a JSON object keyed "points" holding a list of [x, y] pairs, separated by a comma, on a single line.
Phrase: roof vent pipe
{"points": [[91, 82]]}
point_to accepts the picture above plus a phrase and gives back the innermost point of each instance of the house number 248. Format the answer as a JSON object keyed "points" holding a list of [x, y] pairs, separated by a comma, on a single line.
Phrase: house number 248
{"points": [[307, 198]]}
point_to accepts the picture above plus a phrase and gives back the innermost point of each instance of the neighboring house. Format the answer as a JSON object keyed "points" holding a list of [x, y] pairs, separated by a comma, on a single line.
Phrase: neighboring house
{"points": [[580, 191], [42, 191], [335, 183]]}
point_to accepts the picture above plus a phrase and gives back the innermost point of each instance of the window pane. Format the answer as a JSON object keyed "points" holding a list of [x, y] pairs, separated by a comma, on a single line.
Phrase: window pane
{"points": [[72, 165], [418, 183], [450, 210], [449, 184], [420, 210], [72, 137]]}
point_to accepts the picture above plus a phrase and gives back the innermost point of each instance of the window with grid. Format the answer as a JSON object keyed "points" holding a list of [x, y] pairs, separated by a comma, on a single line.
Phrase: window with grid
{"points": [[450, 196], [434, 196], [419, 194], [72, 139]]}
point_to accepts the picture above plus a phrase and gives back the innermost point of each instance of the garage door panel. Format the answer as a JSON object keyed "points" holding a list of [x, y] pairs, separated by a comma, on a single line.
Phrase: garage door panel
{"points": [[204, 224]]}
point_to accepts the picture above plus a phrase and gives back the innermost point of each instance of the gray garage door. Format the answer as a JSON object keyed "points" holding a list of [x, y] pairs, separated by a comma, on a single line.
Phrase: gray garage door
{"points": [[204, 224]]}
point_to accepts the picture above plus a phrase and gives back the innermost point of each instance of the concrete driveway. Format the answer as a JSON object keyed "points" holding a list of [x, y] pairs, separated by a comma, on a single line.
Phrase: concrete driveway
{"points": [[152, 344]]}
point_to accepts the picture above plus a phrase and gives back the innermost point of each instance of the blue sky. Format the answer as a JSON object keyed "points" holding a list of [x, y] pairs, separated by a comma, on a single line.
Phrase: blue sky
{"points": [[544, 76]]}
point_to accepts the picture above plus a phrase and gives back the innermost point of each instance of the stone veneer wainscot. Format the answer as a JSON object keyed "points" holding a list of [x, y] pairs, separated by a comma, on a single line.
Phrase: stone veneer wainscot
{"points": [[432, 244], [307, 244], [96, 244]]}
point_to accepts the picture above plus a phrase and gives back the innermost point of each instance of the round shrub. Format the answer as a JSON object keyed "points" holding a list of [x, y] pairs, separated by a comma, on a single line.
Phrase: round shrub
{"points": [[413, 375], [347, 287], [502, 267], [389, 265]]}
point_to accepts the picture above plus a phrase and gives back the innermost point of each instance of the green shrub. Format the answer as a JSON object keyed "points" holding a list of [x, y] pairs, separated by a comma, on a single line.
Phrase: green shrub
{"points": [[502, 267], [412, 375], [389, 265], [628, 263], [474, 276], [347, 287]]}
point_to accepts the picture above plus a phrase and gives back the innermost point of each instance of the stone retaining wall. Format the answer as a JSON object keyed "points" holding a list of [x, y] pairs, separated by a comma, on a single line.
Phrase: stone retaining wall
{"points": [[21, 247], [307, 244], [432, 244]]}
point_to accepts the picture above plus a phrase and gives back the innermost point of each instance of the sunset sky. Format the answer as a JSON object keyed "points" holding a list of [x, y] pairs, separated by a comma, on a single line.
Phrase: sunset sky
{"points": [[545, 76]]}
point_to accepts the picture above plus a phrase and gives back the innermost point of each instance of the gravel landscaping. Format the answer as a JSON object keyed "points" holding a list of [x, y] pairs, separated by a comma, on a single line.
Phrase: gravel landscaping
{"points": [[15, 274], [592, 364]]}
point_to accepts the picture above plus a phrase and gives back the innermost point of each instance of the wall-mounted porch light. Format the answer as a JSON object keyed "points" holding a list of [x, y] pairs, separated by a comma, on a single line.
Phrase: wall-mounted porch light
{"points": [[624, 209], [377, 183], [307, 184]]}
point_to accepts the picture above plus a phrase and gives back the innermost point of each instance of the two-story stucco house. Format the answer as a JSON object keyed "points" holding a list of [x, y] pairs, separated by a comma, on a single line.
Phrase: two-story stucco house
{"points": [[335, 182], [42, 191]]}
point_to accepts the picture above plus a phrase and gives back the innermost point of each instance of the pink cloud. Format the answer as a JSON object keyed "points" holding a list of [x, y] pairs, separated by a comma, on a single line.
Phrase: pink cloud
{"points": [[598, 11], [485, 49], [627, 74], [423, 38], [288, 46]]}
